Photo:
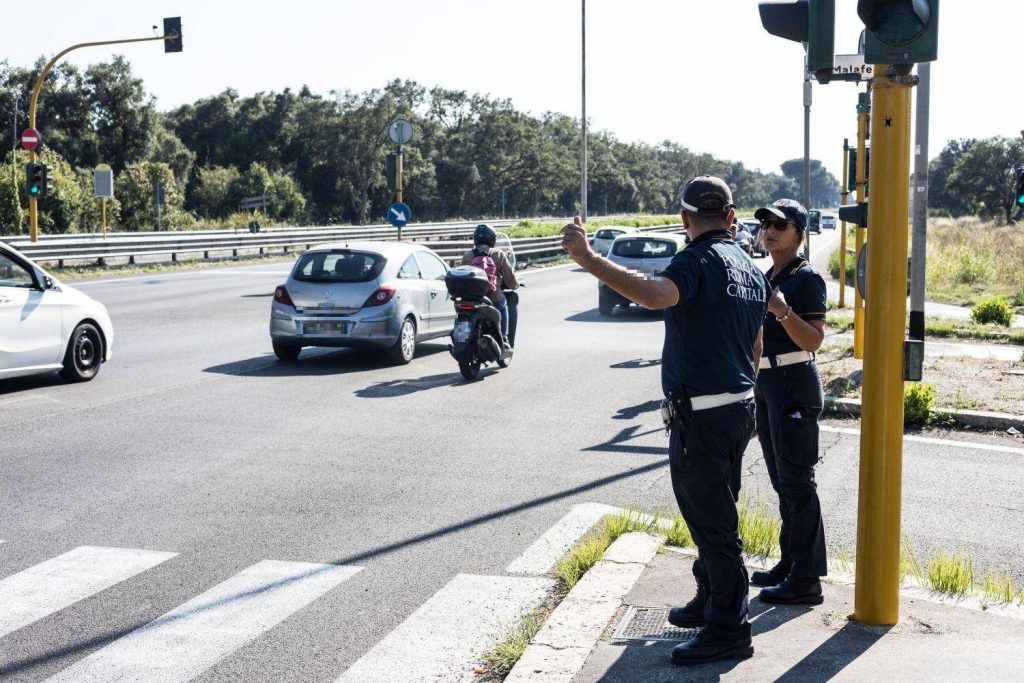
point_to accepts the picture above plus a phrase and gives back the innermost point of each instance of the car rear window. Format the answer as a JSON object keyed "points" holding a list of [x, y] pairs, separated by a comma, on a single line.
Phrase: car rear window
{"points": [[644, 248], [608, 234], [339, 266]]}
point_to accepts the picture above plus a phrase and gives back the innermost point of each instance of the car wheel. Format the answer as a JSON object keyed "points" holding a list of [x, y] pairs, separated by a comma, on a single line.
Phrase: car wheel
{"points": [[605, 305], [84, 355], [405, 346], [287, 352]]}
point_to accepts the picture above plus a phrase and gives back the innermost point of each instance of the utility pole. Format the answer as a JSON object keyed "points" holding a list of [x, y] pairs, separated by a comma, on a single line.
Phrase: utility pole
{"points": [[920, 204], [14, 162], [861, 171], [842, 225], [807, 157], [583, 122]]}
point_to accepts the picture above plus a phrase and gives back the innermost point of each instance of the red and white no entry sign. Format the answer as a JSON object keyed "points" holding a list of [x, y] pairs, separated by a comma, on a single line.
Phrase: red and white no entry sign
{"points": [[30, 139]]}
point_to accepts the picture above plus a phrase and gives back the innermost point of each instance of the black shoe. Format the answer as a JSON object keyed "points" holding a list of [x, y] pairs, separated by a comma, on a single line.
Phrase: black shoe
{"points": [[794, 591], [691, 615], [772, 577], [709, 647]]}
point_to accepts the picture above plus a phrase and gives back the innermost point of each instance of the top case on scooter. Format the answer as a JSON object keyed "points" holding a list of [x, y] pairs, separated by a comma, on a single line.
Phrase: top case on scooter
{"points": [[467, 282]]}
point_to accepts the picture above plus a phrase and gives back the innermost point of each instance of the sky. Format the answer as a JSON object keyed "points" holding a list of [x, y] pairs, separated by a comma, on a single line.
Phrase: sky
{"points": [[704, 73]]}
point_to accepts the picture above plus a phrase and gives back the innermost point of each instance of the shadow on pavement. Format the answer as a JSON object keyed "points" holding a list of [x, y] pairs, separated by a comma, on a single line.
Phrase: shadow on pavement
{"points": [[314, 362], [633, 412], [633, 314], [619, 443], [835, 654], [18, 384], [636, 364], [404, 387]]}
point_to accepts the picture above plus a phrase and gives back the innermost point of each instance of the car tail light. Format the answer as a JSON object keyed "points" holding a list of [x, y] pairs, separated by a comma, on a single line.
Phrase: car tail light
{"points": [[281, 296], [380, 297]]}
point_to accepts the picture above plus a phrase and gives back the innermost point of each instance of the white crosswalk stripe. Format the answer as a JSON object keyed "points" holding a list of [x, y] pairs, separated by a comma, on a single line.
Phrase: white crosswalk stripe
{"points": [[193, 637], [541, 556], [447, 635], [56, 584]]}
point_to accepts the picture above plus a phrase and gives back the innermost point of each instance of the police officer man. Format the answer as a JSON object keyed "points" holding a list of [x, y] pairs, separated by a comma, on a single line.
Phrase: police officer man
{"points": [[715, 301]]}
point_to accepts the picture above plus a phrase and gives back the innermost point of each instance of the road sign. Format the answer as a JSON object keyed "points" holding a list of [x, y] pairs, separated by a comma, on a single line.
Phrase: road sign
{"points": [[30, 139], [852, 67], [103, 181], [400, 131], [399, 214]]}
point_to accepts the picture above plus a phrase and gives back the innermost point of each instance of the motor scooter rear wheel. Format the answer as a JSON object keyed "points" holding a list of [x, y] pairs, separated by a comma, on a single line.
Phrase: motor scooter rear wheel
{"points": [[470, 368]]}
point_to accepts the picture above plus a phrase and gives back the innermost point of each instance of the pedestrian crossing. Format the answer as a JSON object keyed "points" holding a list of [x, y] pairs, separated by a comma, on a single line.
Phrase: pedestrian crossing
{"points": [[442, 640]]}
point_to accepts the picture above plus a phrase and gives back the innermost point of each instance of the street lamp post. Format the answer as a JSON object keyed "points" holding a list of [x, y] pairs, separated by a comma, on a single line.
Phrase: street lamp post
{"points": [[14, 154], [583, 121]]}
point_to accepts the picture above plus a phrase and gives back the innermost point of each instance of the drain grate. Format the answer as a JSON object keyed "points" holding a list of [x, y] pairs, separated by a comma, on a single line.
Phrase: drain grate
{"points": [[650, 623]]}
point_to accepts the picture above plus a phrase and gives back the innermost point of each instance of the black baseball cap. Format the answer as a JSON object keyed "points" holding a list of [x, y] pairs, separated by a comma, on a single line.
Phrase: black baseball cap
{"points": [[786, 209], [707, 195]]}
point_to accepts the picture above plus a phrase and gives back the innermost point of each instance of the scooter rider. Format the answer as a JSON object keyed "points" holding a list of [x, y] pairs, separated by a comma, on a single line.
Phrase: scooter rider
{"points": [[715, 301], [484, 239]]}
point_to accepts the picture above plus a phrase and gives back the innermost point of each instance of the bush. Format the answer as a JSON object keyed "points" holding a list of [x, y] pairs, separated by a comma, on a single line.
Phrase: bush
{"points": [[851, 265], [918, 400], [995, 309]]}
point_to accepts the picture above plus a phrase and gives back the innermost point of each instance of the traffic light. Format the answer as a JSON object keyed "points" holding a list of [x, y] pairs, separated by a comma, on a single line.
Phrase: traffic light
{"points": [[900, 31], [851, 173], [37, 179], [391, 171], [854, 213], [1020, 186], [172, 27], [805, 21]]}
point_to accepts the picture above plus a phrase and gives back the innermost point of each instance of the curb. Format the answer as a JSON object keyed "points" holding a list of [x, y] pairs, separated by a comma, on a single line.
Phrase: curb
{"points": [[851, 407], [561, 647]]}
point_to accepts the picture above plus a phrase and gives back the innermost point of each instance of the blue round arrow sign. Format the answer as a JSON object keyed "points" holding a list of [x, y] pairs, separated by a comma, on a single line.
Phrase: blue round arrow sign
{"points": [[399, 214]]}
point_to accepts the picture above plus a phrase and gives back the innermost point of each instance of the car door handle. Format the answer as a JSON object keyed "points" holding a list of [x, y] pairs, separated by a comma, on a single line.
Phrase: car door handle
{"points": [[4, 300], [433, 295]]}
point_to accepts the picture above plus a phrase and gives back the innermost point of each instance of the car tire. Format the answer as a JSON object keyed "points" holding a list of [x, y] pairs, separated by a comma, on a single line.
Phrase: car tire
{"points": [[605, 305], [404, 348], [287, 352], [84, 354]]}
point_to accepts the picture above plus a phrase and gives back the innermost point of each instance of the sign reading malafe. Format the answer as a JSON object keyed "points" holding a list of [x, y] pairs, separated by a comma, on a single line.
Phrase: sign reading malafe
{"points": [[847, 65]]}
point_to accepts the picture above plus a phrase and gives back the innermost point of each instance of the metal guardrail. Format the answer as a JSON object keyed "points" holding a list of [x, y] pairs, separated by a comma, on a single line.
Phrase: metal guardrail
{"points": [[450, 241]]}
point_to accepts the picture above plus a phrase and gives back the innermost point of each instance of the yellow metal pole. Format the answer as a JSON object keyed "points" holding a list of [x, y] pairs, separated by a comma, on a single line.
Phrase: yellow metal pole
{"points": [[876, 596], [398, 183], [33, 207], [103, 203], [863, 116], [842, 225]]}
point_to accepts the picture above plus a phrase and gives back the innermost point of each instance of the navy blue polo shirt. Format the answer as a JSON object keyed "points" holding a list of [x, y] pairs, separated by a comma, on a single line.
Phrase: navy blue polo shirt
{"points": [[710, 332], [804, 290]]}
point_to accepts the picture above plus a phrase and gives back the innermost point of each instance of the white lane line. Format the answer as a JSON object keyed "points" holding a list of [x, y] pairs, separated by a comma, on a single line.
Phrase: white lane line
{"points": [[51, 586], [445, 638], [161, 276], [995, 448], [191, 638], [542, 554]]}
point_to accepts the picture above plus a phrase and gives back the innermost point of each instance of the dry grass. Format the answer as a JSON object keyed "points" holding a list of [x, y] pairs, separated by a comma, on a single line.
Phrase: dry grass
{"points": [[969, 260]]}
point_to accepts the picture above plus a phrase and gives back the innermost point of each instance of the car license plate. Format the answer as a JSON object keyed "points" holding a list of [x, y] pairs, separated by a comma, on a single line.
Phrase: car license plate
{"points": [[461, 331], [325, 327]]}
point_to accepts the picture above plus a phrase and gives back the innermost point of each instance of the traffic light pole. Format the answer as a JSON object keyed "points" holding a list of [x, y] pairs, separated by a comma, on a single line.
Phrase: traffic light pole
{"points": [[920, 234], [398, 183], [876, 597], [807, 160], [33, 204], [842, 225], [863, 116]]}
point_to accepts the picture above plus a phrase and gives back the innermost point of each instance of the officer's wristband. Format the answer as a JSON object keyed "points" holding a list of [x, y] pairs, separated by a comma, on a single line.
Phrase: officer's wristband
{"points": [[785, 316]]}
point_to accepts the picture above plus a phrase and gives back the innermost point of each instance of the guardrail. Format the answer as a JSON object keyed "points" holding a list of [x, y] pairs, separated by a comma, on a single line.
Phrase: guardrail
{"points": [[450, 241]]}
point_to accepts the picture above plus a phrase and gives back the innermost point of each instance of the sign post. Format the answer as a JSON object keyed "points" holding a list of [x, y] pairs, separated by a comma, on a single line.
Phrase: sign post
{"points": [[103, 183], [400, 132]]}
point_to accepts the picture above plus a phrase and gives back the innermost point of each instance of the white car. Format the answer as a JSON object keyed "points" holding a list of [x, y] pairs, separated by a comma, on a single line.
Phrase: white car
{"points": [[604, 237], [648, 254], [829, 220], [47, 326]]}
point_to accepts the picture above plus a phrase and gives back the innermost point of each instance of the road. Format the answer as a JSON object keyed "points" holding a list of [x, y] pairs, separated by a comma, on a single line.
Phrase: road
{"points": [[343, 497]]}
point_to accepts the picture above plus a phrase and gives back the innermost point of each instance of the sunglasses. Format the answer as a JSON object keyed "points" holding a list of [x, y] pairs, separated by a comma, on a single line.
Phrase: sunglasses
{"points": [[779, 225]]}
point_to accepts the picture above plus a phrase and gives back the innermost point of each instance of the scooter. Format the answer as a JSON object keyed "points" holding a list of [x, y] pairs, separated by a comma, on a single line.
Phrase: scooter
{"points": [[476, 337]]}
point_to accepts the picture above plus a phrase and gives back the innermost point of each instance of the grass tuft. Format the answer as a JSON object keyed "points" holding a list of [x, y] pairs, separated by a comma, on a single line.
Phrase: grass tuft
{"points": [[678, 534], [759, 528], [571, 567], [997, 590], [909, 566], [951, 573], [505, 654]]}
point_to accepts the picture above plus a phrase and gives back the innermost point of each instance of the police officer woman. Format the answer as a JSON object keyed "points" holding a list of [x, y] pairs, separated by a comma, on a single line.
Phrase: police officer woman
{"points": [[789, 399]]}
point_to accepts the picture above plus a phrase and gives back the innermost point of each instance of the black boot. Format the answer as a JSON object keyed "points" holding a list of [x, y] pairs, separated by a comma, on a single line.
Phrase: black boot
{"points": [[707, 646], [794, 590], [691, 614], [772, 577]]}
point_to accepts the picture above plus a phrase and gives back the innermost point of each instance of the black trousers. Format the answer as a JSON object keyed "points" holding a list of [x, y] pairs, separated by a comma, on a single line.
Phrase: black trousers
{"points": [[706, 458], [789, 401]]}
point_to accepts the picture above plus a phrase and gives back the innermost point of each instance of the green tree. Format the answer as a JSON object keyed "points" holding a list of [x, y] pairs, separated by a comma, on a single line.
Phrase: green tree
{"points": [[134, 188], [215, 191], [983, 175], [824, 186]]}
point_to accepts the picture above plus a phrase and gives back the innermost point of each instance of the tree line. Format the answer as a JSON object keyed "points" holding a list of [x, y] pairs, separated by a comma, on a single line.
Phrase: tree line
{"points": [[320, 158], [976, 177]]}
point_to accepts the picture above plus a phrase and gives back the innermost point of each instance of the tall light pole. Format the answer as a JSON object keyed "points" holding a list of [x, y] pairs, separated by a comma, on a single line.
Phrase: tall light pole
{"points": [[14, 153], [807, 158], [583, 122]]}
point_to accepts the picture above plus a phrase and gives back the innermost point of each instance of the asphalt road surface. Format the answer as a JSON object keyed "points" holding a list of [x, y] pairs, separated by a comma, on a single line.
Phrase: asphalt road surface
{"points": [[281, 520]]}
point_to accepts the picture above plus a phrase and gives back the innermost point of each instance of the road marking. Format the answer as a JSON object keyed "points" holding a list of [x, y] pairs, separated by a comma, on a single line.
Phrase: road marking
{"points": [[542, 554], [160, 276], [995, 448], [449, 633], [51, 586], [191, 638]]}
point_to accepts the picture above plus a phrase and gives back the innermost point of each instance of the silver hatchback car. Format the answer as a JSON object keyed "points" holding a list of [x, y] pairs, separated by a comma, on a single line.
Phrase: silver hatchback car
{"points": [[648, 254], [387, 295]]}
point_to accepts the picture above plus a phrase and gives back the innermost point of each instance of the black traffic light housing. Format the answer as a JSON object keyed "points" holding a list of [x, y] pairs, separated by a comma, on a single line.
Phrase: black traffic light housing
{"points": [[172, 27], [37, 179], [391, 171], [851, 173], [805, 21], [900, 31], [854, 213]]}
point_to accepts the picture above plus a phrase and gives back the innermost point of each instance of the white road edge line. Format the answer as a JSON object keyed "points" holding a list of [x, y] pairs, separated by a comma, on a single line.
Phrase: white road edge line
{"points": [[442, 639], [542, 554], [55, 584], [995, 448], [193, 637]]}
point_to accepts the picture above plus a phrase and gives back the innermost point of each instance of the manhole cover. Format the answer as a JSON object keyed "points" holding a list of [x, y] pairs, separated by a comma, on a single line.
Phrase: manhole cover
{"points": [[650, 623]]}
